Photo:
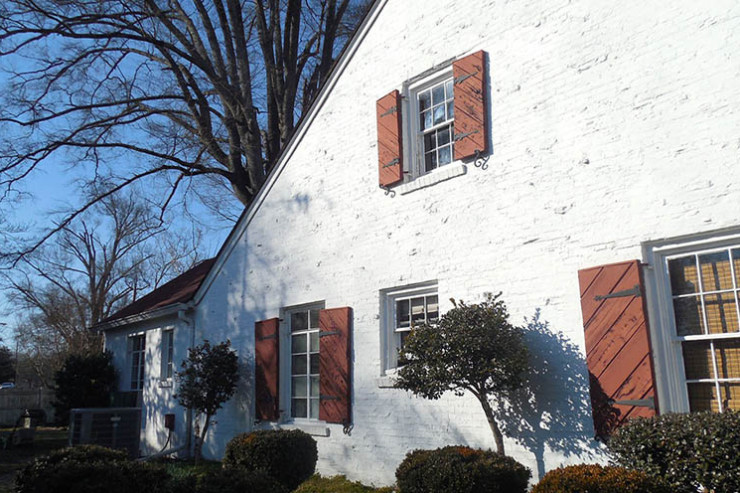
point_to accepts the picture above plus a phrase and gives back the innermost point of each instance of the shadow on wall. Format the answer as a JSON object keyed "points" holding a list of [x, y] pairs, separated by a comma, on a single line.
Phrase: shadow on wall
{"points": [[552, 413]]}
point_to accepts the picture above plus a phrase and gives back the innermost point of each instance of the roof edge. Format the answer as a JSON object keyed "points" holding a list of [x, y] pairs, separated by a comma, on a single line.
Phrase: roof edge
{"points": [[249, 213], [142, 317]]}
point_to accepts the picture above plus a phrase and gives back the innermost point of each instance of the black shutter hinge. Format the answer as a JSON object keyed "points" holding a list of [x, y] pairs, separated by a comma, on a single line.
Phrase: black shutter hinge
{"points": [[325, 333], [635, 291], [389, 111], [393, 162], [649, 402], [459, 137], [264, 338], [463, 77], [325, 397]]}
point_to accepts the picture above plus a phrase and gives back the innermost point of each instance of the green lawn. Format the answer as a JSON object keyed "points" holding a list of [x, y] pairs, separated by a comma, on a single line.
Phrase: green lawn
{"points": [[13, 458]]}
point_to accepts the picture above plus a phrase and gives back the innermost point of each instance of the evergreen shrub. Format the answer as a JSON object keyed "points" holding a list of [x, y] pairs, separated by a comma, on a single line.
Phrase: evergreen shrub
{"points": [[594, 478]]}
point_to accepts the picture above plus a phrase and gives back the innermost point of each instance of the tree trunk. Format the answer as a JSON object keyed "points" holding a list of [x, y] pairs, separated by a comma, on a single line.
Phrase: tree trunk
{"points": [[199, 439], [497, 435]]}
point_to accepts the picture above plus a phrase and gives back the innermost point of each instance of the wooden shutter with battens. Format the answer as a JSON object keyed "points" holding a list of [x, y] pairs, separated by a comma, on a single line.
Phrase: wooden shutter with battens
{"points": [[390, 139], [471, 135], [335, 365], [267, 369], [618, 350]]}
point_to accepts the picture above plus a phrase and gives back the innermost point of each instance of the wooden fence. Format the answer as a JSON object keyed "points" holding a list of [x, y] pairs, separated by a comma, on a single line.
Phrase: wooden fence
{"points": [[14, 402]]}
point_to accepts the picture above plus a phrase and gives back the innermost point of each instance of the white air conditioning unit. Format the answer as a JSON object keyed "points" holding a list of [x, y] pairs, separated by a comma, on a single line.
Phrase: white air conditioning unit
{"points": [[112, 427]]}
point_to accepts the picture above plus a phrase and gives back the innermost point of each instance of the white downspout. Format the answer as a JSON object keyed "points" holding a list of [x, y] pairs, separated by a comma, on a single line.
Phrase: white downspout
{"points": [[188, 321]]}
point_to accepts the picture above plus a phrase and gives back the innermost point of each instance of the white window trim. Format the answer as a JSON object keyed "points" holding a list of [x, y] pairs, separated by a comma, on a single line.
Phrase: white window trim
{"points": [[667, 351], [413, 148], [286, 402], [388, 299]]}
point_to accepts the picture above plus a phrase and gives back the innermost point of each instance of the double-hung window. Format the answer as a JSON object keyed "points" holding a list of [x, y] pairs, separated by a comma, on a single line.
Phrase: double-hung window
{"points": [[704, 289], [137, 347], [404, 308], [436, 116], [303, 330], [168, 349]]}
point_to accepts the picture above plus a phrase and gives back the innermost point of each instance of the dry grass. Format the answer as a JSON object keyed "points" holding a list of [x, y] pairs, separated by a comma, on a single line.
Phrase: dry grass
{"points": [[14, 458]]}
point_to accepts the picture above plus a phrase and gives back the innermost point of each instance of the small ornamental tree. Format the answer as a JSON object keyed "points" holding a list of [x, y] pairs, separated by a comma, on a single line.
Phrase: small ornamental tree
{"points": [[207, 380], [472, 348], [83, 381]]}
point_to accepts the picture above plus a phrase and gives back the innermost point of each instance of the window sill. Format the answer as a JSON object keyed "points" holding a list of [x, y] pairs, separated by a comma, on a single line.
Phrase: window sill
{"points": [[318, 429], [441, 174], [387, 381]]}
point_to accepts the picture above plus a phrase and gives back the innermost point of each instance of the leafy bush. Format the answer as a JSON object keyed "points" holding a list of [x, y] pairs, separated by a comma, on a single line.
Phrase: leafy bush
{"points": [[689, 451], [83, 381], [594, 478], [237, 479], [287, 455], [90, 469], [460, 469], [336, 484]]}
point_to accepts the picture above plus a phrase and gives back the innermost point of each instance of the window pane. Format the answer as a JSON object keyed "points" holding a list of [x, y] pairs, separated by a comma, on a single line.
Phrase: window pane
{"points": [[728, 358], [299, 343], [425, 119], [425, 100], [448, 89], [450, 110], [314, 342], [439, 114], [688, 316], [299, 387], [715, 271], [299, 408], [429, 141], [417, 310], [314, 364], [721, 313], [730, 393], [697, 359], [445, 155], [702, 398], [314, 408], [315, 387], [299, 365], [430, 161], [402, 313], [736, 265], [443, 136], [684, 279], [432, 309], [298, 321], [314, 314], [438, 94]]}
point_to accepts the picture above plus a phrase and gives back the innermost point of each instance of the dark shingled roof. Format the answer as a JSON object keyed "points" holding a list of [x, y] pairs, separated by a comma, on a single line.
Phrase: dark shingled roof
{"points": [[179, 290]]}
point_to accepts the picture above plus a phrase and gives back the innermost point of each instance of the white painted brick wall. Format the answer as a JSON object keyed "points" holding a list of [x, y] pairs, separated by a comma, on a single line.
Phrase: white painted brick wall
{"points": [[613, 123]]}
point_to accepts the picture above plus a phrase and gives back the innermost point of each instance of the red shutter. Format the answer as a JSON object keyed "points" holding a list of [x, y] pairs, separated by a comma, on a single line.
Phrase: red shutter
{"points": [[267, 364], [334, 360], [617, 344], [470, 105], [390, 148]]}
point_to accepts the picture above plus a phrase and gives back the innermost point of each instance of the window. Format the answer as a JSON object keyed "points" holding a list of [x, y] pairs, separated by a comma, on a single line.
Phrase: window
{"points": [[303, 330], [434, 142], [168, 348], [405, 307], [704, 287], [137, 346]]}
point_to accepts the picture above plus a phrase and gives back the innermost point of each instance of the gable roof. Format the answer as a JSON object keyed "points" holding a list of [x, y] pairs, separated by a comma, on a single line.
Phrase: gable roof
{"points": [[289, 149], [181, 289]]}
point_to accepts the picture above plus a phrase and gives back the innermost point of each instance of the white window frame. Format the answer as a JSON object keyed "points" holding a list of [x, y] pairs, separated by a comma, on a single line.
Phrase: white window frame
{"points": [[286, 355], [414, 152], [671, 383], [168, 355], [388, 340], [138, 384]]}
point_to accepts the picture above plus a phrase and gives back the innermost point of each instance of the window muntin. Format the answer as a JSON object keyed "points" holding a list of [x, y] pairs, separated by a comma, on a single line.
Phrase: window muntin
{"points": [[137, 347], [304, 362], [435, 107], [705, 290], [168, 350], [413, 311]]}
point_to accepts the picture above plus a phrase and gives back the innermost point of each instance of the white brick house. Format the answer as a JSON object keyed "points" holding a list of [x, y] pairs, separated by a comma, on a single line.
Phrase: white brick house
{"points": [[611, 134]]}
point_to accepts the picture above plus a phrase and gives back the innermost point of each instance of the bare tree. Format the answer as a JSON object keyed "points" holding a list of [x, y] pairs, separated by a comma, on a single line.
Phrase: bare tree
{"points": [[86, 273], [174, 88]]}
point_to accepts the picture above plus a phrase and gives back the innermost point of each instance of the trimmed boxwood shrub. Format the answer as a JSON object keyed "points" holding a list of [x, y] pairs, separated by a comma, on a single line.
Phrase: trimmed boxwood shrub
{"points": [[689, 451], [597, 479], [90, 470], [287, 455], [462, 470], [337, 484]]}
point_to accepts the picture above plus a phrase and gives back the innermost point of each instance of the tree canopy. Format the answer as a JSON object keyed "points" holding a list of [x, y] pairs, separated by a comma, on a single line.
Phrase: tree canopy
{"points": [[473, 348], [186, 91]]}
